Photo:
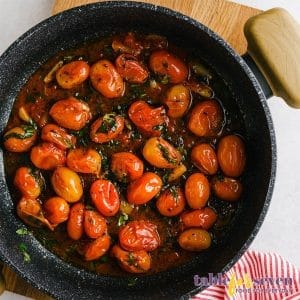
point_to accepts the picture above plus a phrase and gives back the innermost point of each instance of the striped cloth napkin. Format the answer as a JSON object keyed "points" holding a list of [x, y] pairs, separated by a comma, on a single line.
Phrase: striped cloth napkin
{"points": [[256, 276]]}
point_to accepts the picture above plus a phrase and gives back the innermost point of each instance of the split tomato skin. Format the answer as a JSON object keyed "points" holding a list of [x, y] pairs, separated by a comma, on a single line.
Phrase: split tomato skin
{"points": [[105, 197], [106, 80], [126, 166], [139, 235], [70, 113], [75, 221], [225, 188], [143, 189]]}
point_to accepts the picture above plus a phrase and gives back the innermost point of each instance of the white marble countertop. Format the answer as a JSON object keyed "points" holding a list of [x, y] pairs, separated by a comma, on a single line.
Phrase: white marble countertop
{"points": [[282, 224]]}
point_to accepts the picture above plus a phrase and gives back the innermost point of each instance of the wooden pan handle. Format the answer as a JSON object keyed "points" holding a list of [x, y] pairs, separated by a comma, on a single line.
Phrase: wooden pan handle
{"points": [[274, 44]]}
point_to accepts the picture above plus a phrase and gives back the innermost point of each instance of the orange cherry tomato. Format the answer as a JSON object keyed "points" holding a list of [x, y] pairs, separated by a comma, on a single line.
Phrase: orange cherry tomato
{"points": [[204, 158], [144, 188], [161, 154], [171, 202], [126, 166], [226, 188], [84, 160], [232, 155], [139, 235], [106, 80], [72, 74], [71, 113], [97, 248], [178, 99], [94, 224], [164, 63], [146, 118], [106, 128], [128, 45], [30, 211], [27, 182], [197, 190], [20, 139], [131, 69], [56, 210], [57, 135], [47, 156], [105, 197], [133, 262], [75, 221], [67, 184], [194, 239], [204, 218], [206, 118]]}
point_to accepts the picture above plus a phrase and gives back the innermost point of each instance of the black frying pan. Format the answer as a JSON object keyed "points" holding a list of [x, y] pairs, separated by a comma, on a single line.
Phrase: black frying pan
{"points": [[61, 280]]}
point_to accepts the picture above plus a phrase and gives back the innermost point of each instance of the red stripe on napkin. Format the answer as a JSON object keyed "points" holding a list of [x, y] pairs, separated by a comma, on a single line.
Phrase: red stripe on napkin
{"points": [[273, 278]]}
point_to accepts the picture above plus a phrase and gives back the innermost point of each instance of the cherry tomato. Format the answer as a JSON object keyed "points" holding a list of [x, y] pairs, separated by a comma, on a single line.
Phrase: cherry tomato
{"points": [[106, 128], [204, 218], [84, 160], [171, 202], [56, 210], [159, 153], [57, 135], [94, 224], [71, 113], [194, 239], [47, 156], [232, 155], [204, 158], [27, 182], [178, 99], [67, 184], [206, 118], [133, 262], [164, 63], [144, 188], [106, 80], [72, 74], [20, 139], [226, 188], [30, 211], [128, 45], [139, 235], [126, 166], [197, 190], [97, 248], [75, 221], [105, 197], [131, 69], [146, 118]]}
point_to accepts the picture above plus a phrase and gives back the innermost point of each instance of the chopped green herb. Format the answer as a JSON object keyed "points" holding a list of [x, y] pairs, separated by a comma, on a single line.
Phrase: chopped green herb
{"points": [[173, 190], [135, 135], [23, 249], [89, 207], [82, 136], [166, 154], [22, 231], [132, 281], [122, 219], [108, 124], [131, 259], [104, 259], [136, 91], [29, 131], [165, 79]]}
